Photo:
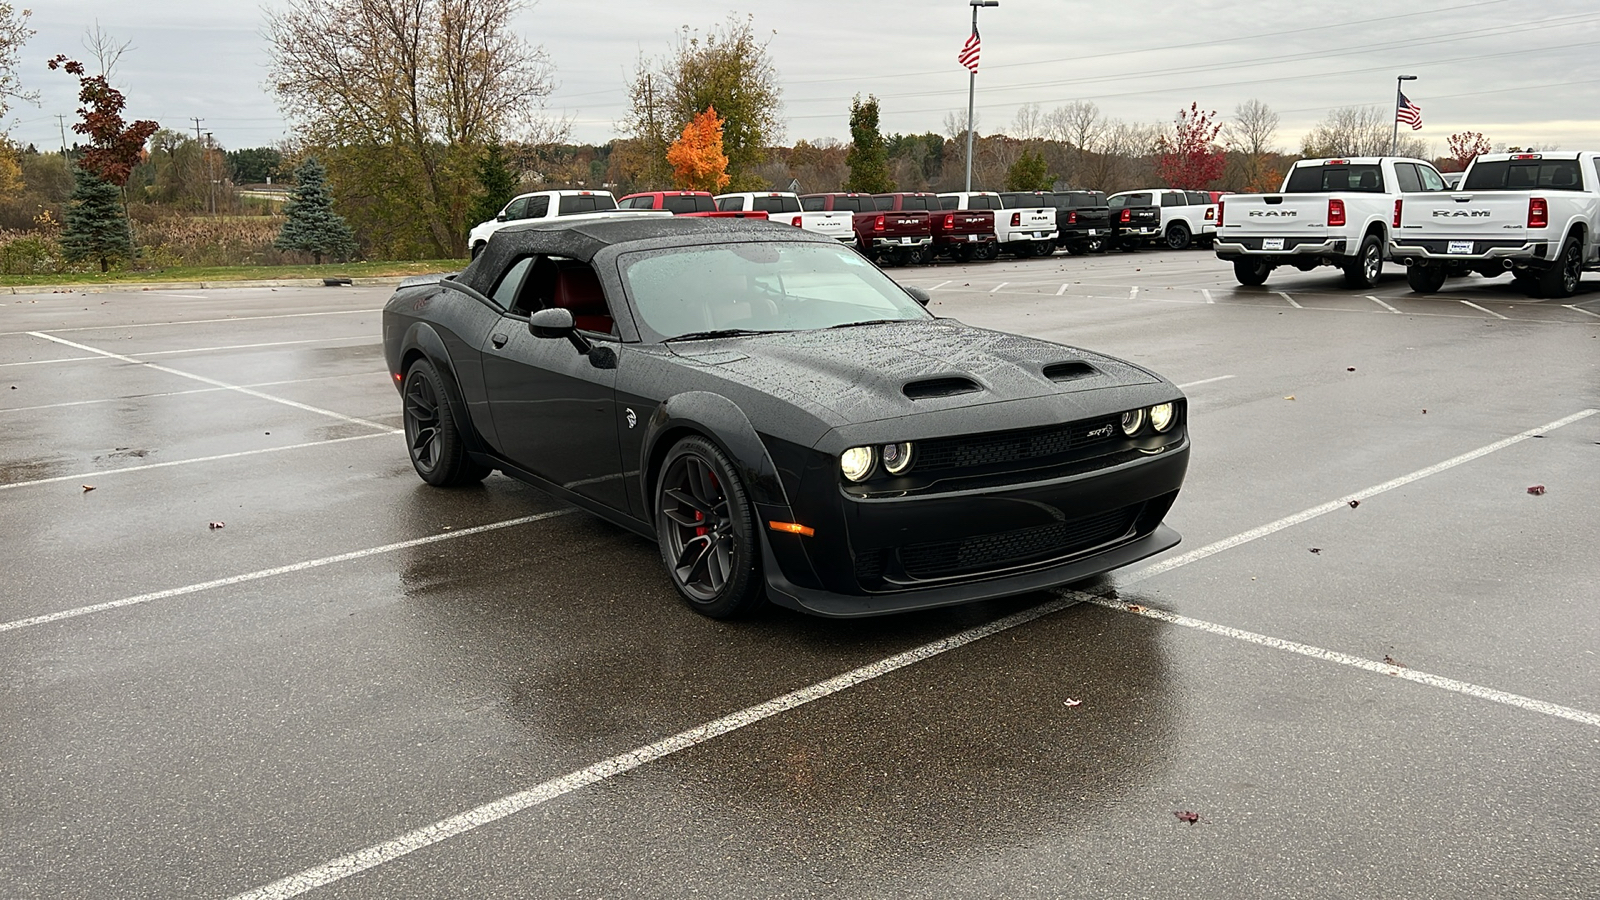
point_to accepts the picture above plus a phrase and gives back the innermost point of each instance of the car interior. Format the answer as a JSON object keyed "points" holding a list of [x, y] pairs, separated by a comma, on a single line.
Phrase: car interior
{"points": [[552, 283]]}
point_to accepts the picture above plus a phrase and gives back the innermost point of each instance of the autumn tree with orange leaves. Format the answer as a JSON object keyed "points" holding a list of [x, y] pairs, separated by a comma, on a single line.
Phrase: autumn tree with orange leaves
{"points": [[698, 163]]}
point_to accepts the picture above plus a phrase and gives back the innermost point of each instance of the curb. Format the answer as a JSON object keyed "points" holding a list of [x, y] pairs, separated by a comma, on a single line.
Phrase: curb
{"points": [[141, 286]]}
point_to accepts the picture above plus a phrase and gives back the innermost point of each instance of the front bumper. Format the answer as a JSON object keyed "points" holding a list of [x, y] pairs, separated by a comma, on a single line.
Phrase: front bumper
{"points": [[1478, 250]]}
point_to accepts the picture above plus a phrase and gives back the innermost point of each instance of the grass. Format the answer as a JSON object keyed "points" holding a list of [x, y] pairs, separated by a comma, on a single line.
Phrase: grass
{"points": [[243, 273]]}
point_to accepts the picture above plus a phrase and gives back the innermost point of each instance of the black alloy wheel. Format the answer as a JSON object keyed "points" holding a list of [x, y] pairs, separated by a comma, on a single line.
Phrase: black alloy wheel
{"points": [[707, 532], [433, 439], [1426, 279], [1365, 270], [1561, 279], [920, 256], [1177, 236], [1251, 272], [988, 251], [1096, 245]]}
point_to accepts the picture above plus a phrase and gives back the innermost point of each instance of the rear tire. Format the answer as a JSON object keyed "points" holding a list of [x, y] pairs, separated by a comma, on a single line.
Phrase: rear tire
{"points": [[706, 531], [988, 251], [1561, 279], [1365, 270], [1426, 279], [919, 256], [1251, 272], [477, 249], [433, 440], [1178, 236], [1022, 249]]}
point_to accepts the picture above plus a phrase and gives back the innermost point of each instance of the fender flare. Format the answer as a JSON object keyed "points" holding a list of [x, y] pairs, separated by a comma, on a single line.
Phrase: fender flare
{"points": [[421, 339], [722, 422]]}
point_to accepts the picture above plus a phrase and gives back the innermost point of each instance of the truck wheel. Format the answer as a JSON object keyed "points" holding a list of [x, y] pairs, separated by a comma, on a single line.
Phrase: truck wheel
{"points": [[477, 248], [1561, 279], [1043, 248], [1096, 245], [919, 256], [1367, 267], [1251, 272], [988, 251], [1075, 249], [964, 254], [1425, 279], [1129, 245], [1178, 236], [1022, 249]]}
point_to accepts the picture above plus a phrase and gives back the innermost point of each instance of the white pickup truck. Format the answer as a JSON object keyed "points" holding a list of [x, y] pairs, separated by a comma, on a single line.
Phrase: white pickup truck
{"points": [[1330, 212], [785, 207], [546, 205], [1023, 231], [1186, 216], [1535, 215]]}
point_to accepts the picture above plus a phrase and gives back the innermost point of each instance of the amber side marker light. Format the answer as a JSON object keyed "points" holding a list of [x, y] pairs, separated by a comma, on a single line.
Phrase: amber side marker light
{"points": [[792, 528]]}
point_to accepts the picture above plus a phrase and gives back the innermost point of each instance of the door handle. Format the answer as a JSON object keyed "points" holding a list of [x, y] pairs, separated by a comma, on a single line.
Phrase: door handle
{"points": [[498, 340]]}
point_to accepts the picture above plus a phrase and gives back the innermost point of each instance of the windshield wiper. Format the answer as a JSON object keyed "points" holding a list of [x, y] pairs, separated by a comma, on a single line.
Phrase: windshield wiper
{"points": [[869, 322], [720, 332]]}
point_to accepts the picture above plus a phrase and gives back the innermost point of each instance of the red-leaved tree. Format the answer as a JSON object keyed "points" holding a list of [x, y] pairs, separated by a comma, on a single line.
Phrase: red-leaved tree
{"points": [[1191, 158], [114, 147], [1466, 146]]}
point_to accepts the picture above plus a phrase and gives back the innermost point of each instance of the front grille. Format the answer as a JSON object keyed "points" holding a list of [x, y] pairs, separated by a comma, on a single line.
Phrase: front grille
{"points": [[992, 551], [1012, 446]]}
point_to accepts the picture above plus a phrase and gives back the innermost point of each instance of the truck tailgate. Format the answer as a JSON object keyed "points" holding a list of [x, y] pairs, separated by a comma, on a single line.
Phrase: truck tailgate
{"points": [[1466, 217], [1255, 215], [963, 222]]}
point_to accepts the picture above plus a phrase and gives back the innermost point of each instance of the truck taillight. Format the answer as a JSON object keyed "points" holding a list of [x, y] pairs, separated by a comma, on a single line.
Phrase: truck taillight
{"points": [[1210, 213], [949, 222], [1221, 204], [1398, 205], [1016, 220], [1127, 215], [1072, 217], [795, 221], [1538, 213], [877, 224], [1335, 212]]}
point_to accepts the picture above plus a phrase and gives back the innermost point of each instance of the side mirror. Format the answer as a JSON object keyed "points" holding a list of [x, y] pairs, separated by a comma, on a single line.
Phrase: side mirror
{"points": [[557, 323], [918, 294], [500, 217]]}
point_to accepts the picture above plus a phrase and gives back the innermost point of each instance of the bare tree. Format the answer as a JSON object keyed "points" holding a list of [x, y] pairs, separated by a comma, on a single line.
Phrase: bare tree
{"points": [[14, 32], [1030, 124], [1359, 131], [399, 97], [1251, 134], [105, 49]]}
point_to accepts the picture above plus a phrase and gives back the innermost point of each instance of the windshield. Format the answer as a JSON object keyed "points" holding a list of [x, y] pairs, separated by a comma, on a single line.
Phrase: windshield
{"points": [[1517, 175], [774, 286], [1364, 177]]}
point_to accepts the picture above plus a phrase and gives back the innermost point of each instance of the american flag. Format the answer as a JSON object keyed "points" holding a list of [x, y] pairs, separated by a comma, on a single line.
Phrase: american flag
{"points": [[969, 53], [1409, 113]]}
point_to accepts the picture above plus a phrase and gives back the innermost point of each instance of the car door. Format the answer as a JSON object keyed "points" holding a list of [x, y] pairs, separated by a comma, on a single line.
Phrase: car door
{"points": [[554, 409]]}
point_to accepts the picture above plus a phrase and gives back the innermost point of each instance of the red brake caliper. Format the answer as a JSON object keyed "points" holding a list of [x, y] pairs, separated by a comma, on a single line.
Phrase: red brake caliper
{"points": [[699, 517]]}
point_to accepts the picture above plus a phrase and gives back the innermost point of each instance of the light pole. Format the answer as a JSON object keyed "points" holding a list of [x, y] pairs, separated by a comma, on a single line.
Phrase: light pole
{"points": [[972, 85], [1394, 142]]}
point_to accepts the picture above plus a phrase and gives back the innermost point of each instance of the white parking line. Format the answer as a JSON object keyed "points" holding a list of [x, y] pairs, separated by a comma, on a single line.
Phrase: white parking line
{"points": [[1383, 304], [40, 362], [460, 823], [1576, 308], [1290, 299], [1481, 309], [101, 473], [356, 337], [939, 285], [998, 286], [1206, 381], [269, 573], [1133, 293], [215, 383], [206, 390], [1207, 294], [337, 312], [1345, 659], [1061, 290]]}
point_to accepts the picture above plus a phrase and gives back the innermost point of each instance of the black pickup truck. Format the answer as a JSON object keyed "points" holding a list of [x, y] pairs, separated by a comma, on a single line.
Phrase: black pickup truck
{"points": [[1083, 221], [1135, 220]]}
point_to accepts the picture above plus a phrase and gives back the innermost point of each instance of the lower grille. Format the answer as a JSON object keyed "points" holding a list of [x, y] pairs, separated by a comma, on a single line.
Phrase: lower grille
{"points": [[1011, 446], [993, 551]]}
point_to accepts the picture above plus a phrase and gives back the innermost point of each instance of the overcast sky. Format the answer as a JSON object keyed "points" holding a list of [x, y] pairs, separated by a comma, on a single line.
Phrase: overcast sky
{"points": [[1522, 72]]}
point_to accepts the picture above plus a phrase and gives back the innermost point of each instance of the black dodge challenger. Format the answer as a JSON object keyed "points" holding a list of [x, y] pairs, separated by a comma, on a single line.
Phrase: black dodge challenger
{"points": [[782, 418]]}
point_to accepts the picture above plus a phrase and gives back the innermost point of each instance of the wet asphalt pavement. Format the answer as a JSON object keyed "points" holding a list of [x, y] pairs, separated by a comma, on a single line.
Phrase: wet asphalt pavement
{"points": [[1397, 697]]}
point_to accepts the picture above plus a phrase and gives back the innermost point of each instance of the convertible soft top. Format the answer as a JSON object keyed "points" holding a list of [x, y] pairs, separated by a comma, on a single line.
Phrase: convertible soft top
{"points": [[582, 239]]}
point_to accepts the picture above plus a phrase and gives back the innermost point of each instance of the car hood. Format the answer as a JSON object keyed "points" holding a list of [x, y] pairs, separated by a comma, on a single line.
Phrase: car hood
{"points": [[871, 372]]}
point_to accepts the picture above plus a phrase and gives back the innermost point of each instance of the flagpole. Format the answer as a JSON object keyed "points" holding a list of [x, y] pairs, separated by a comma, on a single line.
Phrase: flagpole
{"points": [[972, 87], [1394, 142]]}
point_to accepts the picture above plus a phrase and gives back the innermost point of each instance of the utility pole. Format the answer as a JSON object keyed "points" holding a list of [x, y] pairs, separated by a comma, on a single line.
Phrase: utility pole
{"points": [[972, 84], [211, 177], [62, 121], [1394, 142]]}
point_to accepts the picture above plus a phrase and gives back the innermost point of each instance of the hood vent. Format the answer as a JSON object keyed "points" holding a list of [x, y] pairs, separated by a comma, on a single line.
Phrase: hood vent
{"points": [[1069, 371], [940, 387]]}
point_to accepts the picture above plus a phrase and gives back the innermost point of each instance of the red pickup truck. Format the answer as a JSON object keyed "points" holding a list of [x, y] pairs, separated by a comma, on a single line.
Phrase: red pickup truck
{"points": [[962, 235], [889, 238], [698, 204]]}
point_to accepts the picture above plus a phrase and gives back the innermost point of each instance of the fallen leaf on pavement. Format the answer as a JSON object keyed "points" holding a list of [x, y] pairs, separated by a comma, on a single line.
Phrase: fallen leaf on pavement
{"points": [[1186, 816], [1536, 490], [1389, 660], [215, 525], [1072, 702], [1354, 503], [1290, 397], [1316, 549], [87, 488], [1349, 368], [1134, 607]]}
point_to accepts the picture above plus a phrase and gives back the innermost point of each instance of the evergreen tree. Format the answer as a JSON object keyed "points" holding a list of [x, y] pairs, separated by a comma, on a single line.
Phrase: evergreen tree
{"points": [[96, 227], [313, 227], [1029, 173], [497, 184], [868, 158]]}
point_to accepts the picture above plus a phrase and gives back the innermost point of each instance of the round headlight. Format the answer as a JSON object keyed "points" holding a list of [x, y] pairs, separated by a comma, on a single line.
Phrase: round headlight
{"points": [[1162, 415], [856, 463], [1132, 422], [896, 457]]}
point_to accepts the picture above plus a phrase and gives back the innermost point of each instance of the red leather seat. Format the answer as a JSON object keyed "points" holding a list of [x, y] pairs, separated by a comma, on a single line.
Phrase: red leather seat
{"points": [[578, 289]]}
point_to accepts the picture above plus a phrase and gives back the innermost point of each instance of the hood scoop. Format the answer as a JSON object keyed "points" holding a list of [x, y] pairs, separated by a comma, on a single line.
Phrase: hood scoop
{"points": [[940, 387], [1069, 371]]}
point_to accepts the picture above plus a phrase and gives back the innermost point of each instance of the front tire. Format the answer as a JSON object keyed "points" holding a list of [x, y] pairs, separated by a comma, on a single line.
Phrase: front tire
{"points": [[1365, 270], [1251, 272], [1178, 236], [1561, 279], [1426, 279], [433, 439], [706, 531]]}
